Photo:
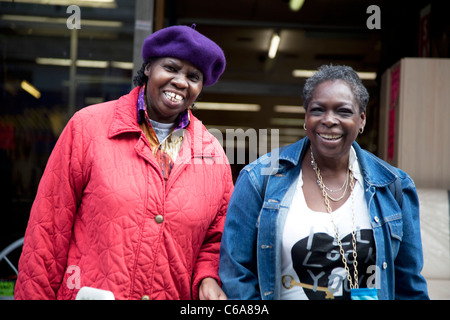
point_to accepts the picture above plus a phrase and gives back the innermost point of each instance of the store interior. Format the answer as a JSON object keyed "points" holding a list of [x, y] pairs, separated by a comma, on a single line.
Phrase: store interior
{"points": [[50, 69]]}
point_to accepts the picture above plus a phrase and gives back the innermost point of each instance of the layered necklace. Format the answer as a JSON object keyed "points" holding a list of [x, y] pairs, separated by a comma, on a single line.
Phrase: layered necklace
{"points": [[323, 186], [327, 198]]}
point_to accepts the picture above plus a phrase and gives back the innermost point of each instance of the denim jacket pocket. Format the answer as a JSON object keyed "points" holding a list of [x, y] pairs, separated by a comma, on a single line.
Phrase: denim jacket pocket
{"points": [[395, 224]]}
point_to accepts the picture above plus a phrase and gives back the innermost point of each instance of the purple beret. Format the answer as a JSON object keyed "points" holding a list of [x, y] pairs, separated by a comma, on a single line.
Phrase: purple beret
{"points": [[186, 43]]}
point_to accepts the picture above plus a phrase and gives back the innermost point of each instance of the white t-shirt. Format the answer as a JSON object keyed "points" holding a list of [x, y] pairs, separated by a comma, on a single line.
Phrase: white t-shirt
{"points": [[311, 263], [162, 130]]}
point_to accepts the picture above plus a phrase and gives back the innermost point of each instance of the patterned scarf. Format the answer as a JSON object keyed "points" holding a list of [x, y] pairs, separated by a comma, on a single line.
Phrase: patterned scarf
{"points": [[165, 151]]}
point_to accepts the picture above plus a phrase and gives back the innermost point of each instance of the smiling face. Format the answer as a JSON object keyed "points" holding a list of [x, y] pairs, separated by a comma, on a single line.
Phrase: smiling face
{"points": [[173, 85], [333, 120]]}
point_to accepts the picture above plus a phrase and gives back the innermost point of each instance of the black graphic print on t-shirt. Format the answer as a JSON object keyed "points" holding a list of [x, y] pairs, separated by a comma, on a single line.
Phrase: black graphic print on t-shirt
{"points": [[318, 264]]}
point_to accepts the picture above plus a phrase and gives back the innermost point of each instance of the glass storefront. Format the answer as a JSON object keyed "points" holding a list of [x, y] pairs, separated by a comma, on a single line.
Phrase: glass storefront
{"points": [[41, 88]]}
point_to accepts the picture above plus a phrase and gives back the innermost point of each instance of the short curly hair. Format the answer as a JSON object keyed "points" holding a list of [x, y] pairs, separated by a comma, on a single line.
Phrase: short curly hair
{"points": [[332, 73]]}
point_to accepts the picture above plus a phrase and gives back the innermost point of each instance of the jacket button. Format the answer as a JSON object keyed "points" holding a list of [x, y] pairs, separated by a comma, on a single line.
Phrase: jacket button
{"points": [[159, 218], [376, 219], [145, 297]]}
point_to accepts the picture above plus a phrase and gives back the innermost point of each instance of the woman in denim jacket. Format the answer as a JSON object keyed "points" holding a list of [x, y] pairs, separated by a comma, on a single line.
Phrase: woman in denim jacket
{"points": [[292, 233]]}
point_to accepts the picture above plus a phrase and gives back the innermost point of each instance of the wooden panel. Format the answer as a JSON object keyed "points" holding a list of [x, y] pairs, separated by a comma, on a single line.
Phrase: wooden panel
{"points": [[423, 145]]}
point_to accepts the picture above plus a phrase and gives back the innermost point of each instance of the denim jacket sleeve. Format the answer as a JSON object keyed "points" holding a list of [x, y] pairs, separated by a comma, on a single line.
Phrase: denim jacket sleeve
{"points": [[238, 267], [409, 283]]}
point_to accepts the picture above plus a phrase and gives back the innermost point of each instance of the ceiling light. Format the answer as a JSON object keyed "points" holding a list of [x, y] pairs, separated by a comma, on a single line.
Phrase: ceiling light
{"points": [[227, 106], [67, 62], [81, 3], [367, 75], [102, 1], [42, 19], [296, 5], [303, 73], [92, 64], [309, 73], [53, 62], [122, 65], [289, 109], [274, 43], [28, 87], [85, 63]]}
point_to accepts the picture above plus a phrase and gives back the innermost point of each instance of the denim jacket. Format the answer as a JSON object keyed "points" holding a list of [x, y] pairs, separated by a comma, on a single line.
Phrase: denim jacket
{"points": [[250, 257]]}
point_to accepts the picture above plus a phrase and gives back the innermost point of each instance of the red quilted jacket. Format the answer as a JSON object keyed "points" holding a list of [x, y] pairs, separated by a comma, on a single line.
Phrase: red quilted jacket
{"points": [[104, 218]]}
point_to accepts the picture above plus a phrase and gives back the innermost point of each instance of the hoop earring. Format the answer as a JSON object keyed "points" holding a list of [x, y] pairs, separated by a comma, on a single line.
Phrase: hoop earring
{"points": [[304, 126], [361, 130]]}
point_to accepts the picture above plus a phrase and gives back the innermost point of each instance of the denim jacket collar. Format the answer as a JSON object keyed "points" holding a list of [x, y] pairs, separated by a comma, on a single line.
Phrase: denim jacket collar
{"points": [[375, 172]]}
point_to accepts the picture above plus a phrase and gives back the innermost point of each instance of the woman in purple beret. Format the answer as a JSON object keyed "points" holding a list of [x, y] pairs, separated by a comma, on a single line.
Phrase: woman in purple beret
{"points": [[134, 195]]}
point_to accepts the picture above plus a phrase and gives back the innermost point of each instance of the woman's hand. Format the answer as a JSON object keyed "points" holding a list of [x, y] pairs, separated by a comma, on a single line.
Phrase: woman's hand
{"points": [[210, 290]]}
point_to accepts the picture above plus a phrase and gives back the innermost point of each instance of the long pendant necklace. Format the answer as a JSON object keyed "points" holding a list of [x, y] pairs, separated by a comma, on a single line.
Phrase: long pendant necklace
{"points": [[353, 284]]}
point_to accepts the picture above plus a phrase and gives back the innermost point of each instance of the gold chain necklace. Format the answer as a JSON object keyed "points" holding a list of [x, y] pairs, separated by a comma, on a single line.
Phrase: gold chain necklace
{"points": [[323, 186], [326, 197], [337, 190]]}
